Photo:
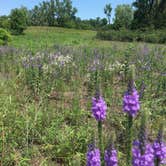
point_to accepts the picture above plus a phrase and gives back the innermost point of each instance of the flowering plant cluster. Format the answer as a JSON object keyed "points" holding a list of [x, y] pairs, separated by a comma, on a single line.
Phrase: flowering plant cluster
{"points": [[32, 61], [131, 103], [142, 153], [160, 151], [46, 61], [117, 66], [153, 152], [93, 157], [95, 65], [145, 159], [59, 59], [99, 108], [111, 157]]}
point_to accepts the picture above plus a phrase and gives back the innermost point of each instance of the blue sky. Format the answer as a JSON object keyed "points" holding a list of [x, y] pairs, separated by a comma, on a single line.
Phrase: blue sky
{"points": [[86, 8]]}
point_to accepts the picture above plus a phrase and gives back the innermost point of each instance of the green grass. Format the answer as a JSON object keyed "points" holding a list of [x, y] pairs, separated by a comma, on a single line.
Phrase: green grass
{"points": [[44, 37], [37, 38]]}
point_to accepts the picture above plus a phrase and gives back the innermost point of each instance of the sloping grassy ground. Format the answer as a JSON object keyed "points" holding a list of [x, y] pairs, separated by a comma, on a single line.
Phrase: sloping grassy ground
{"points": [[37, 38], [45, 100], [45, 37]]}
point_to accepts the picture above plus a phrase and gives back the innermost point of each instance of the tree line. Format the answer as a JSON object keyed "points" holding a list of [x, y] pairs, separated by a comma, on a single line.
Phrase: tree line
{"points": [[142, 14], [149, 13]]}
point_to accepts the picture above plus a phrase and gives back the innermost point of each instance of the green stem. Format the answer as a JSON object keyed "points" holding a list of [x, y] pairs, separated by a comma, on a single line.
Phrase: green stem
{"points": [[157, 162], [100, 140], [97, 83], [129, 141]]}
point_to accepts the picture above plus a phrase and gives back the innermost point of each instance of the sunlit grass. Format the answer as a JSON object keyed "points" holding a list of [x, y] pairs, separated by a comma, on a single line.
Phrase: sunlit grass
{"points": [[36, 38]]}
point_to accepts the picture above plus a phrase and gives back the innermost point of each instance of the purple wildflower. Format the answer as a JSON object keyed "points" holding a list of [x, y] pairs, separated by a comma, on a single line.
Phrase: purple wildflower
{"points": [[99, 108], [111, 157], [160, 151], [146, 159], [131, 103], [93, 157]]}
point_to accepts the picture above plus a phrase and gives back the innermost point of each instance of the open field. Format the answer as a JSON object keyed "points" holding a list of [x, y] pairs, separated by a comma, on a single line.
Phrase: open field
{"points": [[47, 81], [37, 38]]}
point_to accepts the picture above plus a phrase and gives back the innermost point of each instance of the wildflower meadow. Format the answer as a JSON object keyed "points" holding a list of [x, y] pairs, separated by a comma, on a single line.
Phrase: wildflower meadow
{"points": [[69, 105]]}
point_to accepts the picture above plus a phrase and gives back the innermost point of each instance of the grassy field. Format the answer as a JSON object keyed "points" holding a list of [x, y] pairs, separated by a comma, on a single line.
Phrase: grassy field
{"points": [[47, 81], [37, 38], [44, 37]]}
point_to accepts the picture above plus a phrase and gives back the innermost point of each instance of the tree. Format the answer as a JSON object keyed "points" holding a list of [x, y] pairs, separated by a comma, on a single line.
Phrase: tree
{"points": [[97, 23], [65, 12], [5, 22], [123, 16], [53, 12], [159, 18], [107, 11], [18, 20], [43, 14], [149, 13], [37, 15], [142, 13]]}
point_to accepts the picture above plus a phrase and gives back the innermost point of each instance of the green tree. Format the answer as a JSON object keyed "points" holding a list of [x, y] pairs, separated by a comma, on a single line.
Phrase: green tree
{"points": [[123, 16], [53, 12], [43, 14], [107, 11], [159, 18], [97, 23], [5, 22], [149, 13], [65, 12], [18, 20], [35, 16], [143, 12]]}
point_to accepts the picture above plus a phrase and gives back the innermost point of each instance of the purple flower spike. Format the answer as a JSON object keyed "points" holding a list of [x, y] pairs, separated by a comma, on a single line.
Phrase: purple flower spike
{"points": [[160, 151], [111, 157], [146, 159], [93, 157], [131, 103], [99, 108]]}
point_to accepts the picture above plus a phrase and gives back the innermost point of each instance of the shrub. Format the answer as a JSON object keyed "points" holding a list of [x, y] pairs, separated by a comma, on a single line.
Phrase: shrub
{"points": [[4, 22], [18, 19], [5, 37], [130, 36], [70, 24]]}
